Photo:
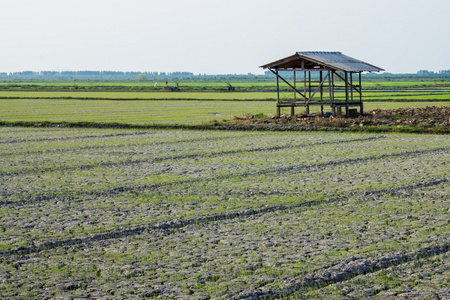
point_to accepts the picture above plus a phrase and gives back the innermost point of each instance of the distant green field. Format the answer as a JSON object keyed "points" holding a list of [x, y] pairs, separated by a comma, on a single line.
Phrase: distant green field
{"points": [[138, 95], [209, 95], [170, 112], [148, 112], [196, 103], [217, 85]]}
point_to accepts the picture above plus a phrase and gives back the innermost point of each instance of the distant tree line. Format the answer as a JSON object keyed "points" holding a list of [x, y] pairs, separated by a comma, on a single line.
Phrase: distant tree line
{"points": [[189, 76], [123, 76], [91, 75]]}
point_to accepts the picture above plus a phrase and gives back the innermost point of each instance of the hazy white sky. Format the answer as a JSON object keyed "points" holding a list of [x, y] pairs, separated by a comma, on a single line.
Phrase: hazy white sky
{"points": [[219, 36]]}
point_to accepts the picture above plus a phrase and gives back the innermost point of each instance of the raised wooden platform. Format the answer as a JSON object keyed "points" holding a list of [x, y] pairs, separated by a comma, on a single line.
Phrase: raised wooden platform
{"points": [[336, 107], [331, 104]]}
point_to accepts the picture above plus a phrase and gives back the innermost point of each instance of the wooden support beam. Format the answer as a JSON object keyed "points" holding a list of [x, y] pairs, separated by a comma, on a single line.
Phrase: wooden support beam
{"points": [[340, 85], [353, 86], [360, 88], [303, 103], [319, 89], [361, 108], [330, 87], [278, 89], [295, 86], [346, 87], [278, 86], [301, 69], [309, 85]]}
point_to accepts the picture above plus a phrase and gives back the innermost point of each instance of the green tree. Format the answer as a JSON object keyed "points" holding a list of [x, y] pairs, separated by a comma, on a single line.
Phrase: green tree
{"points": [[141, 77]]}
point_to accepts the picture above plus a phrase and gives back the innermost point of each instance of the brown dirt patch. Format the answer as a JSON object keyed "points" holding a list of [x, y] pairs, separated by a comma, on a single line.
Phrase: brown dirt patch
{"points": [[430, 116]]}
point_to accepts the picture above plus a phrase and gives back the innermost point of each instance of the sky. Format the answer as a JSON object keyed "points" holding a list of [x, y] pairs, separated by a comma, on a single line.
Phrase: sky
{"points": [[219, 36]]}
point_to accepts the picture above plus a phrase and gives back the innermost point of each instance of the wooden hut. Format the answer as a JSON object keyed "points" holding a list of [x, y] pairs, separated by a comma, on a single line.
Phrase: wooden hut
{"points": [[321, 78]]}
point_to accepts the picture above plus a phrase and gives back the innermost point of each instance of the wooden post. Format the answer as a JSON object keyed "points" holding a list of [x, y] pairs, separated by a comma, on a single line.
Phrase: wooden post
{"points": [[360, 88], [321, 87], [295, 87], [351, 86], [278, 94], [309, 85], [304, 83], [304, 79], [292, 111], [321, 94], [346, 87], [332, 86], [278, 86], [307, 109], [361, 110], [346, 94], [329, 84]]}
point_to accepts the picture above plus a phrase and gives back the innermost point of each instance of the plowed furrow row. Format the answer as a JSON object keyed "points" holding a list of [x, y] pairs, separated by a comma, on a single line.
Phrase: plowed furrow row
{"points": [[171, 158], [342, 272], [179, 223], [141, 188]]}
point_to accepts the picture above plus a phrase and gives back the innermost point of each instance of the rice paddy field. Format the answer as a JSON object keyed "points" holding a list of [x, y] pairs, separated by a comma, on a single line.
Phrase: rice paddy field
{"points": [[152, 112], [401, 95], [373, 84], [172, 214], [197, 102], [189, 214], [375, 90]]}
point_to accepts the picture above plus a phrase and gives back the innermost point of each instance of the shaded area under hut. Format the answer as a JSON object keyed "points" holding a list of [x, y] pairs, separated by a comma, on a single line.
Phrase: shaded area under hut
{"points": [[321, 78]]}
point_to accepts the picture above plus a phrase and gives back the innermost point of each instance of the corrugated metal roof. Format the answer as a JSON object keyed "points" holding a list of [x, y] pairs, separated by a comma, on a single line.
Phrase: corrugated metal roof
{"points": [[333, 60], [339, 61]]}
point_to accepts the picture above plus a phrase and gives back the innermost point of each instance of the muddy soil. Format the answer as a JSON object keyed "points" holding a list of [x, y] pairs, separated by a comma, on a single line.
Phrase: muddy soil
{"points": [[429, 116]]}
